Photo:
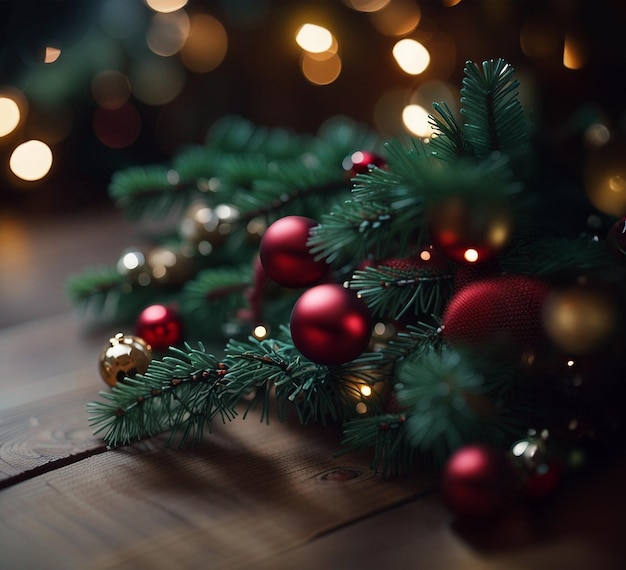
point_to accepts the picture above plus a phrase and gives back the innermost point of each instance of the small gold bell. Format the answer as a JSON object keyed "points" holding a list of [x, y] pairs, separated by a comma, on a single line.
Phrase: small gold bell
{"points": [[125, 355]]}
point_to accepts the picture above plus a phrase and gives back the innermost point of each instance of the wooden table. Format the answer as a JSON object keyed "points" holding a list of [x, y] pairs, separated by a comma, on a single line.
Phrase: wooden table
{"points": [[252, 496]]}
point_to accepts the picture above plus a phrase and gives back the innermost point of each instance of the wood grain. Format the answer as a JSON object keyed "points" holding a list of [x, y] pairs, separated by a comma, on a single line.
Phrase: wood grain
{"points": [[250, 492]]}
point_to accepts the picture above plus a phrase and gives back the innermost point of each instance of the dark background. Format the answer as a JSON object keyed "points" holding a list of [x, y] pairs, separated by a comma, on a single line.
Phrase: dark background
{"points": [[260, 76]]}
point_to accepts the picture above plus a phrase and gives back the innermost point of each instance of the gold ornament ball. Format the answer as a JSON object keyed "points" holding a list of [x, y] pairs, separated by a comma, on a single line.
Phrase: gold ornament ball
{"points": [[170, 266], [579, 320], [124, 355], [203, 223]]}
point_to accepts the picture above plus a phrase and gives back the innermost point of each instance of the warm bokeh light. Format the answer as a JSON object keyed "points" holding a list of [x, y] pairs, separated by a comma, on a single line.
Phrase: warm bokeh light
{"points": [[412, 57], [9, 116], [450, 3], [157, 81], [416, 120], [367, 5], [168, 32], [31, 160], [117, 128], [52, 54], [166, 6], [573, 53], [320, 71], [259, 332], [425, 255], [470, 255], [206, 44], [314, 38], [397, 18], [110, 89]]}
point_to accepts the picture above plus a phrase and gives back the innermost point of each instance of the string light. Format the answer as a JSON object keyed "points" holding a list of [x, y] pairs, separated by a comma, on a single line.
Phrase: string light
{"points": [[166, 6], [9, 115], [206, 44], [52, 54], [412, 57], [31, 160], [314, 38]]}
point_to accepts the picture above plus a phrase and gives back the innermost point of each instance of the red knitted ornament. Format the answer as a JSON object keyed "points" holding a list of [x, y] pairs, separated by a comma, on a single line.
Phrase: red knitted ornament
{"points": [[505, 307], [425, 262]]}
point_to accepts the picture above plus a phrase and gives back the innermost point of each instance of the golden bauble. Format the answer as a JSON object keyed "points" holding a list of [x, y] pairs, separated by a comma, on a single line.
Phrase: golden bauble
{"points": [[579, 320], [168, 265], [124, 356], [202, 223]]}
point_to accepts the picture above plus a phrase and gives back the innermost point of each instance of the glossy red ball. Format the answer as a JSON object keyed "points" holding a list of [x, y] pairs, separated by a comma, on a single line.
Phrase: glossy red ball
{"points": [[478, 481], [160, 326], [359, 162], [330, 324], [285, 255]]}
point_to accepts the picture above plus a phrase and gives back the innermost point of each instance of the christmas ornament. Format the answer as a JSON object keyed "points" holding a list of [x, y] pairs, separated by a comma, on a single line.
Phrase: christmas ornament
{"points": [[169, 266], [539, 470], [605, 178], [330, 324], [132, 263], [616, 239], [505, 307], [477, 481], [285, 256], [160, 326], [359, 162], [124, 355], [579, 320], [201, 223], [469, 231]]}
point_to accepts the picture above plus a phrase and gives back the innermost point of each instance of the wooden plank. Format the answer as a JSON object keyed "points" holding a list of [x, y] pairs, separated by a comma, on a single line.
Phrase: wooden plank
{"points": [[249, 492]]}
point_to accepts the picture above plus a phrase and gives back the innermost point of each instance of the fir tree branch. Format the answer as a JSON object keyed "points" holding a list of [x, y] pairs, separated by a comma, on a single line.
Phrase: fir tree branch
{"points": [[182, 392], [449, 141]]}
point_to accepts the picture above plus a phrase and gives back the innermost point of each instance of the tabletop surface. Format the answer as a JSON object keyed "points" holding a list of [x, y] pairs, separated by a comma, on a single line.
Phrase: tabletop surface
{"points": [[252, 495]]}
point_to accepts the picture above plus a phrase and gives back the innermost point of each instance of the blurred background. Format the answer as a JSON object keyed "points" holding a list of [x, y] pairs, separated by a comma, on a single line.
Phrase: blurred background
{"points": [[87, 88]]}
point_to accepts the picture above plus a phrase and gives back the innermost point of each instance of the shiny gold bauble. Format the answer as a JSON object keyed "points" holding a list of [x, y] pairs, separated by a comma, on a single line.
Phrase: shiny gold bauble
{"points": [[605, 178], [202, 223], [168, 265], [124, 356], [579, 320]]}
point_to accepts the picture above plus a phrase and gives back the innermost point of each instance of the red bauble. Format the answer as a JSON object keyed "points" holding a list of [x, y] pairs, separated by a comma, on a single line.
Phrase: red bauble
{"points": [[478, 481], [160, 326], [359, 162], [505, 307], [285, 256], [330, 324]]}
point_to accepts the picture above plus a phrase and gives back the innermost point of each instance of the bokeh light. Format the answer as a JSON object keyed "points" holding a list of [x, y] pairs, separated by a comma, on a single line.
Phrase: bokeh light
{"points": [[31, 160], [412, 57], [166, 6], [110, 89], [117, 128], [52, 54], [314, 38], [397, 18], [416, 120], [573, 53], [367, 5], [320, 71], [206, 44], [9, 115], [168, 32]]}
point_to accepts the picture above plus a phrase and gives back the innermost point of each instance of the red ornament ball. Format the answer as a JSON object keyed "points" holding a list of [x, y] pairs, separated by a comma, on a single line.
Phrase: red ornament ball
{"points": [[505, 307], [330, 324], [285, 256], [359, 162], [160, 326], [478, 481]]}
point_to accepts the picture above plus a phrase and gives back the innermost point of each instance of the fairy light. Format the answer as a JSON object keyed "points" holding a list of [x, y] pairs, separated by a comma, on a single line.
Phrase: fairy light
{"points": [[314, 38], [366, 390], [397, 18], [470, 255], [52, 54], [168, 32], [425, 255], [320, 71], [166, 6], [259, 332], [31, 160], [412, 57], [206, 44], [416, 119], [573, 53], [9, 115]]}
